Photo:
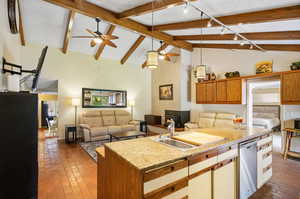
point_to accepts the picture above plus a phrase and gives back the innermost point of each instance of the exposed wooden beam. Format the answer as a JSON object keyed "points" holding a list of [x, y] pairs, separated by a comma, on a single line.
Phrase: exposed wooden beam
{"points": [[132, 48], [277, 14], [68, 33], [102, 45], [284, 35], [146, 8], [93, 10], [277, 47], [163, 47], [21, 29]]}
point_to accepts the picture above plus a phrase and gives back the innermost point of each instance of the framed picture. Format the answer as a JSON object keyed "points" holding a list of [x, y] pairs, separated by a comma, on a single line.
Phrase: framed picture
{"points": [[102, 98], [166, 92], [201, 72], [264, 67]]}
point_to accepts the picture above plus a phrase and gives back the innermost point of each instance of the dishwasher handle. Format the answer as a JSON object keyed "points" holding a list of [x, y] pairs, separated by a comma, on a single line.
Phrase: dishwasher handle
{"points": [[248, 144]]}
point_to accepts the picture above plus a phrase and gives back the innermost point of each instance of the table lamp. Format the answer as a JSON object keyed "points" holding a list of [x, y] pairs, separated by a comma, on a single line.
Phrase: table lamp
{"points": [[131, 103], [76, 103]]}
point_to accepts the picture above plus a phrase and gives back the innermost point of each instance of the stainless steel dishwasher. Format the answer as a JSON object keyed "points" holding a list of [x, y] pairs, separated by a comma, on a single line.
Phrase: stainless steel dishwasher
{"points": [[248, 168]]}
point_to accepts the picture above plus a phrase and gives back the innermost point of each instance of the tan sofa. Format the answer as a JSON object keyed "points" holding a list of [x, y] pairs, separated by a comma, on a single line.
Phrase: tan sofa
{"points": [[97, 125], [212, 120]]}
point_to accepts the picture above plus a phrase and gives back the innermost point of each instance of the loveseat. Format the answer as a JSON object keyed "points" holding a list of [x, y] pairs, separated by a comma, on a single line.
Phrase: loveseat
{"points": [[97, 125], [211, 120]]}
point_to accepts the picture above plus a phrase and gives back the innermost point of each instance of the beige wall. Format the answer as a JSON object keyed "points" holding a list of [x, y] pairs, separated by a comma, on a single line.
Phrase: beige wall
{"points": [[75, 71], [220, 61], [175, 72]]}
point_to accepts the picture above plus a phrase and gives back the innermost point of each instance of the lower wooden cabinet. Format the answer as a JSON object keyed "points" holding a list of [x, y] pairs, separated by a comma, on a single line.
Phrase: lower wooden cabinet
{"points": [[201, 186], [224, 181]]}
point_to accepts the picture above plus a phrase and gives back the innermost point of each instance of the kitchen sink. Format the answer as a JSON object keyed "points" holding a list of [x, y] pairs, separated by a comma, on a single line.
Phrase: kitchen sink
{"points": [[175, 143]]}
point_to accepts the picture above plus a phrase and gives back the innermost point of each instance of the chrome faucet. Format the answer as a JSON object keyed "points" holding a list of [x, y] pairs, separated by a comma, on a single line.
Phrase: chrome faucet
{"points": [[171, 127]]}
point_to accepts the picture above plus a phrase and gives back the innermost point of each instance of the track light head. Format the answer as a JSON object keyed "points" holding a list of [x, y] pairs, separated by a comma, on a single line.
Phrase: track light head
{"points": [[235, 38]]}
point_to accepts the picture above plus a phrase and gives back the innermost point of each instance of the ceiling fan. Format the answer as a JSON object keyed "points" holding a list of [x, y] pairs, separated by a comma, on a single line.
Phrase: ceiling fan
{"points": [[98, 37], [166, 56]]}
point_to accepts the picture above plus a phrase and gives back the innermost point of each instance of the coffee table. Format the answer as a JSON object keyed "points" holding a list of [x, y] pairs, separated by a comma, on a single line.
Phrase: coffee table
{"points": [[126, 135]]}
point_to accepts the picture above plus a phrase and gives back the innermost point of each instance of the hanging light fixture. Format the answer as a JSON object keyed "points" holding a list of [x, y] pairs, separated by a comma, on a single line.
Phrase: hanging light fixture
{"points": [[152, 55]]}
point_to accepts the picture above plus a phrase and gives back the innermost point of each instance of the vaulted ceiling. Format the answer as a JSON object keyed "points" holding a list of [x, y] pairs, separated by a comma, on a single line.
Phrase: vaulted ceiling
{"points": [[47, 23]]}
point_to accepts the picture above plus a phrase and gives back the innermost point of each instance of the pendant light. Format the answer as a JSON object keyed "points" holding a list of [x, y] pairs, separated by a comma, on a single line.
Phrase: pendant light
{"points": [[152, 55], [201, 53]]}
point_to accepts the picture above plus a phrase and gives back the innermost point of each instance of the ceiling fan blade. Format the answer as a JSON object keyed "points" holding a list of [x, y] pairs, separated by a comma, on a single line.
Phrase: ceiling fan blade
{"points": [[110, 43], [109, 37], [83, 37], [172, 54], [167, 58], [92, 33], [93, 43]]}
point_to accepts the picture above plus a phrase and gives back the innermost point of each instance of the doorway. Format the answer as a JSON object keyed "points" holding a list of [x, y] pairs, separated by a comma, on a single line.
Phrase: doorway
{"points": [[264, 108]]}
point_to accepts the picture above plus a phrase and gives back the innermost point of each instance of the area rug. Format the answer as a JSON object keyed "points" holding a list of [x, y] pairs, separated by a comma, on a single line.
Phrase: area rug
{"points": [[90, 147]]}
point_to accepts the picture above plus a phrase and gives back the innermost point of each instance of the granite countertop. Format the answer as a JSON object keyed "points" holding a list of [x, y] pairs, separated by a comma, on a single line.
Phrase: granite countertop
{"points": [[145, 153]]}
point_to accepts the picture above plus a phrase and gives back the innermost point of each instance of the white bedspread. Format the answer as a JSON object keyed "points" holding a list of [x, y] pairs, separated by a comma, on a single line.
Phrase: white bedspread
{"points": [[269, 123]]}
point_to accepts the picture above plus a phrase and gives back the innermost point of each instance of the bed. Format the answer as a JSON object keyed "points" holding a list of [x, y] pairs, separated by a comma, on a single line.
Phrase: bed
{"points": [[267, 116]]}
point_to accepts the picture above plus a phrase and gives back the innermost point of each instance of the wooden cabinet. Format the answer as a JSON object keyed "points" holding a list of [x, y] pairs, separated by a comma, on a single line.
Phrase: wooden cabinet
{"points": [[211, 92], [290, 84], [224, 180], [201, 93], [221, 93], [229, 91], [234, 91], [206, 93]]}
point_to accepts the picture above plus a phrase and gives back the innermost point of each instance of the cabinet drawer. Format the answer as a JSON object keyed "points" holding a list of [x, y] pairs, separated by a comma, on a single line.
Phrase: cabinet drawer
{"points": [[267, 160], [267, 174], [231, 152], [264, 141], [175, 190], [203, 161], [157, 178]]}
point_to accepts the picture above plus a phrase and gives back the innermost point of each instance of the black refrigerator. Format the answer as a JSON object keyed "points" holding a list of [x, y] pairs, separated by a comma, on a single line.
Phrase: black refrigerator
{"points": [[18, 146]]}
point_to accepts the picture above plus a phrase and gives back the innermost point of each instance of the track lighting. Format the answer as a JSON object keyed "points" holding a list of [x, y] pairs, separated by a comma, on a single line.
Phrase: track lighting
{"points": [[235, 37], [209, 23], [222, 31], [251, 47], [186, 7], [242, 43]]}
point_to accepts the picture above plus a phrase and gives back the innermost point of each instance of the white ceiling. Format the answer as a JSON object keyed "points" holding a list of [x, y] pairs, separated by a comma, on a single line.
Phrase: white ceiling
{"points": [[46, 23]]}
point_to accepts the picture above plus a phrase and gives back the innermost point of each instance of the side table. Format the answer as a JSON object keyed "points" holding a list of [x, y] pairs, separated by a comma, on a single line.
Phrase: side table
{"points": [[289, 135], [70, 128]]}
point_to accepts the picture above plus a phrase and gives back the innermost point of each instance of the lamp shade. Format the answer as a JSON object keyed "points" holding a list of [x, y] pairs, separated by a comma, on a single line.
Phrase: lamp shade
{"points": [[75, 101], [152, 59], [131, 102]]}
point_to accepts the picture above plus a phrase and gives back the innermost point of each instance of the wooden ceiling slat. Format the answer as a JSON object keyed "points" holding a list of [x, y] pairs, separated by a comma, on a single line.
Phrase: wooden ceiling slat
{"points": [[102, 45], [275, 47], [68, 32], [163, 47], [132, 48], [284, 35], [146, 8], [278, 14], [93, 10]]}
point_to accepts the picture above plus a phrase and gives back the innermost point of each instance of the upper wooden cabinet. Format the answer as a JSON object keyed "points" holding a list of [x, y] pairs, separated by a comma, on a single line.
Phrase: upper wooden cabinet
{"points": [[221, 92], [290, 85], [201, 93], [234, 91], [206, 93], [229, 91]]}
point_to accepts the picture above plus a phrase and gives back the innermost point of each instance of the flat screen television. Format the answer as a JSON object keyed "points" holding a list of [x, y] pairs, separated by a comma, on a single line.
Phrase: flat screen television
{"points": [[39, 68], [102, 98]]}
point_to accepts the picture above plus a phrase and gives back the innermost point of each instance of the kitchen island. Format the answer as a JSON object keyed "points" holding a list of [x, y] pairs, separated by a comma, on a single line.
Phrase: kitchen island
{"points": [[144, 168]]}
